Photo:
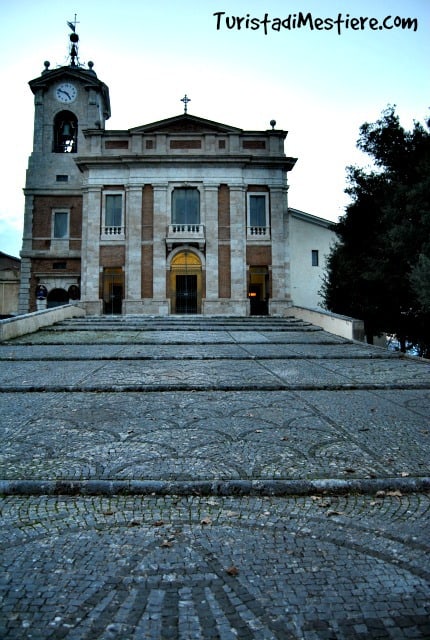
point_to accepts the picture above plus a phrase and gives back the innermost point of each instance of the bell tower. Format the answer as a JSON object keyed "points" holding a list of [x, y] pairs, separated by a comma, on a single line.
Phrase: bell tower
{"points": [[68, 100]]}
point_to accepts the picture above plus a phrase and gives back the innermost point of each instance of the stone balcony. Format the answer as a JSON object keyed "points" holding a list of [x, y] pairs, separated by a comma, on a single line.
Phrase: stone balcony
{"points": [[258, 233], [184, 233], [112, 233]]}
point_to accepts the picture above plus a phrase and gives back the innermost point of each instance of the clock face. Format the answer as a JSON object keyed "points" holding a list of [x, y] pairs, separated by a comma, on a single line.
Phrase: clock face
{"points": [[66, 92]]}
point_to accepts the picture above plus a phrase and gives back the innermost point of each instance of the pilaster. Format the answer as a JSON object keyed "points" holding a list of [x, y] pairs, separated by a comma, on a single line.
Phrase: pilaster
{"points": [[211, 234], [161, 209], [133, 256], [91, 208], [278, 242], [281, 288], [27, 245], [238, 242]]}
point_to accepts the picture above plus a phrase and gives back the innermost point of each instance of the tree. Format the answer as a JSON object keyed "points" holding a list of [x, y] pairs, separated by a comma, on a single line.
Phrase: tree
{"points": [[379, 270]]}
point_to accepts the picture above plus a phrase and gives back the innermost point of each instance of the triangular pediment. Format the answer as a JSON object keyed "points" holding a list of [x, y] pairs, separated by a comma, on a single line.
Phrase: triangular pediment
{"points": [[185, 123]]}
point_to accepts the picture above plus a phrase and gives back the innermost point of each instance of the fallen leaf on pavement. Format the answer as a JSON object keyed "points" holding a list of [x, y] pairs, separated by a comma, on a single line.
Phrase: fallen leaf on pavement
{"points": [[134, 523], [166, 543]]}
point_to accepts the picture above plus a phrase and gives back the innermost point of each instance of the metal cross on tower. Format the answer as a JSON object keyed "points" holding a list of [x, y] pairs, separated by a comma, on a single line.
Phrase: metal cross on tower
{"points": [[185, 100]]}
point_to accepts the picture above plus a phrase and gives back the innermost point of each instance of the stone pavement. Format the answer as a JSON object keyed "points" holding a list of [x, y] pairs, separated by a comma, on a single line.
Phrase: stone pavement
{"points": [[190, 478]]}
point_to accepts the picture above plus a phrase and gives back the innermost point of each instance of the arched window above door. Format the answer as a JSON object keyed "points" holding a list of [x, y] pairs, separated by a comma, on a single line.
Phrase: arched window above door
{"points": [[65, 132]]}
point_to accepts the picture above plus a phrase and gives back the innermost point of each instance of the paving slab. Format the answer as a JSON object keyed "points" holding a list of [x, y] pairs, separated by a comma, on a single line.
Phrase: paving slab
{"points": [[214, 435]]}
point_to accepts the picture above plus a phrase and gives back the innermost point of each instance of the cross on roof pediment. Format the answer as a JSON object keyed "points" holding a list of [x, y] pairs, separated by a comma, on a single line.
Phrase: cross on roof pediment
{"points": [[185, 123]]}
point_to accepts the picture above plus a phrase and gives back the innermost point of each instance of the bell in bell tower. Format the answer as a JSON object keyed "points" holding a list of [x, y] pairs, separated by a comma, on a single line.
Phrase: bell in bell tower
{"points": [[68, 100]]}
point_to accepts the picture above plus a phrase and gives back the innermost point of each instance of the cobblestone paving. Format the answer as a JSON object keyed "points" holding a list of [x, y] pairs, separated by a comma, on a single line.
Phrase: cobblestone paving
{"points": [[170, 401], [215, 435], [146, 567]]}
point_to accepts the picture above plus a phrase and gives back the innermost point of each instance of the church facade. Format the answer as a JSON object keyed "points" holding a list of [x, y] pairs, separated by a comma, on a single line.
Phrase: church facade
{"points": [[183, 215]]}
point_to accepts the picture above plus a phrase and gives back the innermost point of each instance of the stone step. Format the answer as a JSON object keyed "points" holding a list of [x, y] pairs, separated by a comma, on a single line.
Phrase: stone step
{"points": [[183, 323]]}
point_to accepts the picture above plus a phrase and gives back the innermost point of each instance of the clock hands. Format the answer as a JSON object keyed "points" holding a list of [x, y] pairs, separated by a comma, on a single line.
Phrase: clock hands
{"points": [[65, 93]]}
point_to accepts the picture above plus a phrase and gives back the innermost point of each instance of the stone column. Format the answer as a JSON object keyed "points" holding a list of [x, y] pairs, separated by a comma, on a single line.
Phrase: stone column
{"points": [[238, 249], [161, 221], [90, 268], [280, 299], [133, 256], [27, 246], [211, 234]]}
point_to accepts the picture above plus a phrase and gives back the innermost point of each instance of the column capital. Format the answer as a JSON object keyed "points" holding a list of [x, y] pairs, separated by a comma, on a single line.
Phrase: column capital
{"points": [[92, 188]]}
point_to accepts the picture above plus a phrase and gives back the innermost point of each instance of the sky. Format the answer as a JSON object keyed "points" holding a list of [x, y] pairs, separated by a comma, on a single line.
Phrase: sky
{"points": [[318, 84]]}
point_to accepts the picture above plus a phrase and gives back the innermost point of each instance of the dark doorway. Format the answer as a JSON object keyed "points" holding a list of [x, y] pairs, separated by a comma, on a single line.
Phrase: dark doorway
{"points": [[258, 291], [56, 298], [113, 288], [186, 294]]}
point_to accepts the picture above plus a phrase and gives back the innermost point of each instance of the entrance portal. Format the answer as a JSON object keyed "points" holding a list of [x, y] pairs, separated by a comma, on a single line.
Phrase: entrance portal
{"points": [[113, 290], [186, 294], [258, 291], [186, 283]]}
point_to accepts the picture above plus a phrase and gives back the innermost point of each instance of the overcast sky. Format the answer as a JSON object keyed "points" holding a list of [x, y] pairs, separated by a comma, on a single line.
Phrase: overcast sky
{"points": [[319, 84]]}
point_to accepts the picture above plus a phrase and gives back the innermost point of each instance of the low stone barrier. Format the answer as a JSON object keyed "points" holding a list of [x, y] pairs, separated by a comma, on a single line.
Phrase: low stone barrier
{"points": [[343, 326], [31, 322]]}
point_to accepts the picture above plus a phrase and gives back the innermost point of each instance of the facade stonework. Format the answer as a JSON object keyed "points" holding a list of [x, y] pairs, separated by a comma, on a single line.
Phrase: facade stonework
{"points": [[183, 215]]}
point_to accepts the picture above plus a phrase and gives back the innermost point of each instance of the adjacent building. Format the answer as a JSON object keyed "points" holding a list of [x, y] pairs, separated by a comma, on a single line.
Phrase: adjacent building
{"points": [[10, 268]]}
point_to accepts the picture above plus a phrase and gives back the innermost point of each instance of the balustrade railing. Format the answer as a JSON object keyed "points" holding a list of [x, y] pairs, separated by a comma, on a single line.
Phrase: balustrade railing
{"points": [[113, 232], [186, 229], [258, 232]]}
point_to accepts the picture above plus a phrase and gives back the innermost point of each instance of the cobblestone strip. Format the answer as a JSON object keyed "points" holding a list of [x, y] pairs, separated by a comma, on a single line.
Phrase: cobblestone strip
{"points": [[309, 568]]}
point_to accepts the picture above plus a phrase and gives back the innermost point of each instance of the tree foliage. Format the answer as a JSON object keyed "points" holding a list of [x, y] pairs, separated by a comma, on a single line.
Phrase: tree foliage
{"points": [[379, 270]]}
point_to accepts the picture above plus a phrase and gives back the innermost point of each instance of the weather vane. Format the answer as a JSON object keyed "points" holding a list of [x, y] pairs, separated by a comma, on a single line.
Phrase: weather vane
{"points": [[185, 100], [74, 39]]}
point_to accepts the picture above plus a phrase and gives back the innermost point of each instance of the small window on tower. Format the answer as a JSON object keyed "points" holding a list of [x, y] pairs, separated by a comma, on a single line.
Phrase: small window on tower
{"points": [[65, 132], [60, 224]]}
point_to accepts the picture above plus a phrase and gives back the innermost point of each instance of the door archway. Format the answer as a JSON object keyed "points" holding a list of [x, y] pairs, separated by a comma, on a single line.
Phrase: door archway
{"points": [[186, 282], [57, 297]]}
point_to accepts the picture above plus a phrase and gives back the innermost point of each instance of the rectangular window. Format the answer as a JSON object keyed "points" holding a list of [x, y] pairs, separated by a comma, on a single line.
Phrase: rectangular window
{"points": [[257, 211], [258, 215], [186, 206], [61, 224], [113, 214], [315, 257]]}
